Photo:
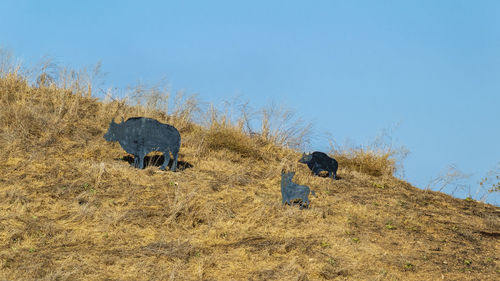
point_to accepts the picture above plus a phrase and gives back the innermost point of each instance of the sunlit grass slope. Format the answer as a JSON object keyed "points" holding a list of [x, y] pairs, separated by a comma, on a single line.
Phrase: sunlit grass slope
{"points": [[73, 208]]}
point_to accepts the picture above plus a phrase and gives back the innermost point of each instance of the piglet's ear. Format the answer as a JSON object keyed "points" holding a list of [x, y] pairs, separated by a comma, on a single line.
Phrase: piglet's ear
{"points": [[122, 119]]}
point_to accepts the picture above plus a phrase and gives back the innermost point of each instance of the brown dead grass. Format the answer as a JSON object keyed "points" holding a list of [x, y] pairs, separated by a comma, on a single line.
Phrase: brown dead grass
{"points": [[366, 161], [71, 208]]}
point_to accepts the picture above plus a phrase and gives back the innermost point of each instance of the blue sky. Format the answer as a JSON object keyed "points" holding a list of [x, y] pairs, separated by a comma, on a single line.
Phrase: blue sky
{"points": [[353, 68]]}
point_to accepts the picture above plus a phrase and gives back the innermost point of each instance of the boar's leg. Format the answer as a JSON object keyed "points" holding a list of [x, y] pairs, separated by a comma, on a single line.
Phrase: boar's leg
{"points": [[136, 161], [166, 159], [316, 170], [304, 205], [333, 173], [304, 202], [174, 164], [284, 197], [141, 160]]}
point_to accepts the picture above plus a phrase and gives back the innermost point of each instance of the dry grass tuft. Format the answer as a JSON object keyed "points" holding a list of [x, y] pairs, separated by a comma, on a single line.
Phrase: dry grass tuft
{"points": [[222, 137], [366, 161], [377, 159]]}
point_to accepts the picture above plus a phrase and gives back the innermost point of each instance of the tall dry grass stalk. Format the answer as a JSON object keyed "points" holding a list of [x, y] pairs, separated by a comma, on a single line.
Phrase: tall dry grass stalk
{"points": [[7, 64], [180, 110], [82, 81], [279, 125], [452, 177]]}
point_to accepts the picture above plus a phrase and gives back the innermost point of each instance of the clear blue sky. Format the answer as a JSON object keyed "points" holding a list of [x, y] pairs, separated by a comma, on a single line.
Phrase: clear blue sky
{"points": [[353, 68]]}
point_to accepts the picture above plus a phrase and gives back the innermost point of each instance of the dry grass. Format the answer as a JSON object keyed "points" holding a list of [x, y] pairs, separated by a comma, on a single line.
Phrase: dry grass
{"points": [[379, 158], [72, 208], [366, 161]]}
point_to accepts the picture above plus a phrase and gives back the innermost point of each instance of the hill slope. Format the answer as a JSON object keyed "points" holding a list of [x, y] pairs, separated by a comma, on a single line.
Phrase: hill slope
{"points": [[72, 207]]}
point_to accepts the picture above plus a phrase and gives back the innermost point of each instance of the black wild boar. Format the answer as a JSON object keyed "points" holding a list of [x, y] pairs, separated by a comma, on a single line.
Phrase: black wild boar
{"points": [[319, 161], [292, 192], [140, 136]]}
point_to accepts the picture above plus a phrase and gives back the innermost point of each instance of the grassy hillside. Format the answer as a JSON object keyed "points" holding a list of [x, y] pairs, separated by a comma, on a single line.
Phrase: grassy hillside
{"points": [[73, 208]]}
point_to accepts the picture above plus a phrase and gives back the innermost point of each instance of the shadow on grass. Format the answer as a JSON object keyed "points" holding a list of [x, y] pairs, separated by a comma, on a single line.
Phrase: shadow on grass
{"points": [[157, 160], [324, 174]]}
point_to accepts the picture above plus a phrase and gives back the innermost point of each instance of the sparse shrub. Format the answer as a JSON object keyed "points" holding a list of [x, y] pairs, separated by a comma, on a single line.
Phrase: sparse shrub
{"points": [[452, 176], [453, 179]]}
